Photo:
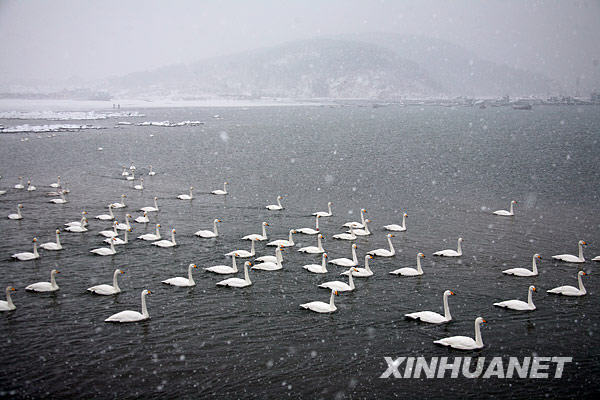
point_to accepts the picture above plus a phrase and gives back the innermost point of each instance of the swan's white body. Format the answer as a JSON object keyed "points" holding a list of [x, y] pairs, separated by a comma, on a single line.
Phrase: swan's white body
{"points": [[465, 342], [131, 177], [340, 286], [151, 209], [132, 167], [26, 256], [519, 305], [165, 242], [325, 213], [105, 289], [55, 246], [346, 236], [509, 213], [221, 192], [209, 234], [78, 228], [268, 265], [357, 225], [238, 282], [125, 172], [410, 271], [143, 219], [117, 240], [275, 207], [140, 186], [107, 217], [151, 236], [45, 286], [320, 306], [121, 204], [243, 253], [62, 199], [597, 258], [345, 262], [571, 258], [277, 257], [283, 242], [385, 252], [318, 249], [256, 236], [56, 184], [105, 251], [20, 184], [186, 196], [310, 231], [110, 234], [18, 214], [151, 173], [570, 290], [8, 305], [398, 228], [131, 316], [361, 272], [182, 282], [224, 269], [433, 317], [30, 187], [361, 232], [316, 268], [81, 222], [124, 226], [451, 253], [524, 271]]}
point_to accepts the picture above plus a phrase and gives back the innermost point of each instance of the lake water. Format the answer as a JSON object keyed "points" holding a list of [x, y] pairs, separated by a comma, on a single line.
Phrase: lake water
{"points": [[448, 168]]}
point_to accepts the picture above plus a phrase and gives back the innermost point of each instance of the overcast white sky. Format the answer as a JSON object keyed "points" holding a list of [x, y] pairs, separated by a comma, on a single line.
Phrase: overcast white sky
{"points": [[62, 38]]}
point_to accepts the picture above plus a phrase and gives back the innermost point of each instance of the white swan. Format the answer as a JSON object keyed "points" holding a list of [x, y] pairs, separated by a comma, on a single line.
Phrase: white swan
{"points": [[180, 281], [150, 236], [571, 258], [398, 228], [186, 196], [361, 272], [26, 256], [597, 258], [125, 172], [325, 213], [345, 262], [81, 222], [130, 177], [18, 214], [30, 187], [209, 234], [361, 232], [8, 305], [150, 208], [346, 236], [140, 186], [56, 184], [121, 204], [106, 217], [45, 286], [110, 234], [256, 236], [53, 245], [433, 317], [105, 251], [322, 307], [238, 282], [142, 219], [132, 316], [318, 249], [275, 207], [465, 342], [283, 242], [271, 266], [151, 173], [570, 290], [357, 225], [507, 213], [385, 252], [524, 271], [123, 226], [165, 242], [310, 231], [20, 184], [117, 240], [132, 167], [78, 228], [243, 253], [519, 305], [277, 257], [340, 286], [410, 271], [221, 192], [107, 290], [224, 269], [316, 268], [451, 253], [62, 199]]}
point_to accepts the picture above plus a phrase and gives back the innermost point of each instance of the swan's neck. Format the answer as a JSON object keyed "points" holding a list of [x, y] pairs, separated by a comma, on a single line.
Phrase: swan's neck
{"points": [[155, 204], [534, 264], [252, 250], [112, 246], [115, 228], [511, 208], [459, 249], [215, 230], [225, 187], [329, 208], [144, 309], [580, 251], [403, 221], [279, 202], [447, 315], [323, 263], [351, 280], [391, 245], [126, 236], [264, 231], [9, 301], [352, 234], [126, 219], [478, 339], [362, 217], [367, 228], [319, 244], [419, 269], [290, 238], [190, 277], [109, 212], [317, 223], [581, 288], [234, 263], [58, 181], [331, 303], [82, 222], [53, 280], [367, 264], [35, 252], [246, 277], [173, 237], [354, 258], [115, 282], [530, 298], [58, 240], [19, 214], [123, 201], [190, 193], [157, 233]]}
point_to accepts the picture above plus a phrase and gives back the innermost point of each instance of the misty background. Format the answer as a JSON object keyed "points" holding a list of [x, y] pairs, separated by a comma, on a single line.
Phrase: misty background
{"points": [[302, 49]]}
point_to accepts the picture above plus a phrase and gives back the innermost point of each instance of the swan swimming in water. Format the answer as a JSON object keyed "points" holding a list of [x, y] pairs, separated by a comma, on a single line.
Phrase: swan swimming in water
{"points": [[130, 177], [357, 225], [126, 225], [185, 196], [150, 208], [505, 213], [8, 305], [107, 290], [571, 258], [410, 271], [180, 281], [78, 228], [518, 304], [165, 242], [345, 236], [62, 199], [316, 268], [398, 228], [341, 286], [140, 186], [277, 257], [433, 317], [110, 234], [465, 342], [361, 272], [318, 249], [345, 262], [107, 217], [271, 266], [385, 252], [132, 316], [56, 184], [451, 253], [121, 204], [524, 271], [143, 219], [221, 192], [151, 173], [243, 253], [18, 214], [275, 207], [81, 222], [282, 242], [30, 187], [117, 240], [105, 251], [325, 213], [52, 245], [209, 234], [361, 232], [322, 307], [20, 184], [237, 282], [151, 237], [125, 172], [45, 286], [224, 269], [310, 231], [570, 290], [26, 256], [256, 236]]}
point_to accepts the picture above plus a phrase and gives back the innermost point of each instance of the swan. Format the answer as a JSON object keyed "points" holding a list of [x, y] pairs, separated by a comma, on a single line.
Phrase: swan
{"points": [[410, 271], [26, 256], [524, 271], [20, 184], [238, 282], [78, 228], [30, 187], [182, 282], [361, 272], [186, 196], [132, 316], [316, 268], [53, 245], [256, 236], [318, 249], [132, 167], [110, 234], [62, 199], [124, 226], [125, 172], [346, 236], [283, 242], [45, 286], [224, 269], [398, 228], [221, 192], [570, 258], [322, 307], [209, 234], [570, 290], [433, 317], [121, 204], [465, 342], [345, 262], [275, 207], [243, 253], [385, 252], [81, 222], [104, 251], [361, 232], [131, 177], [340, 286], [507, 213], [56, 184], [140, 186], [18, 214], [165, 242], [151, 209], [8, 304], [271, 266], [277, 257], [597, 258], [117, 240], [107, 290], [151, 173], [106, 217], [150, 236], [325, 213], [518, 304], [450, 253], [143, 219], [310, 231], [357, 225]]}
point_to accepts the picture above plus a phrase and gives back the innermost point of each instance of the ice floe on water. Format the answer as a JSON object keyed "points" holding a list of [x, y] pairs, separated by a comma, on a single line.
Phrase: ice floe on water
{"points": [[68, 115], [169, 124], [48, 128]]}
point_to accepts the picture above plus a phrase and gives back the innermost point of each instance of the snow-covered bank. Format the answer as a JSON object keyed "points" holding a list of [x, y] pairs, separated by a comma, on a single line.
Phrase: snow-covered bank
{"points": [[48, 128], [67, 115]]}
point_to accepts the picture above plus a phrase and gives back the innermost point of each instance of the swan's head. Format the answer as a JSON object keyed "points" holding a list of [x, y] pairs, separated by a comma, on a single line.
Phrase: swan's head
{"points": [[321, 236], [325, 255], [120, 271], [354, 269], [449, 293], [294, 231], [354, 246], [146, 292], [155, 198], [29, 182], [460, 239], [421, 255], [57, 232], [336, 292], [536, 255], [191, 188], [329, 203], [363, 210], [54, 271], [142, 179], [582, 242], [84, 213], [405, 215], [248, 264], [265, 224], [390, 235], [368, 257], [11, 289], [123, 196], [20, 205], [480, 320], [532, 288], [193, 265], [128, 215], [130, 230], [218, 220], [279, 197], [173, 230], [367, 220], [225, 183], [158, 225], [113, 239], [236, 255], [513, 202], [34, 240], [581, 273]]}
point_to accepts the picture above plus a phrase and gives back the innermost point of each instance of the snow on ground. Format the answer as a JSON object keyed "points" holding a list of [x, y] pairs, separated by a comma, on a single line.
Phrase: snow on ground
{"points": [[67, 115], [48, 128]]}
